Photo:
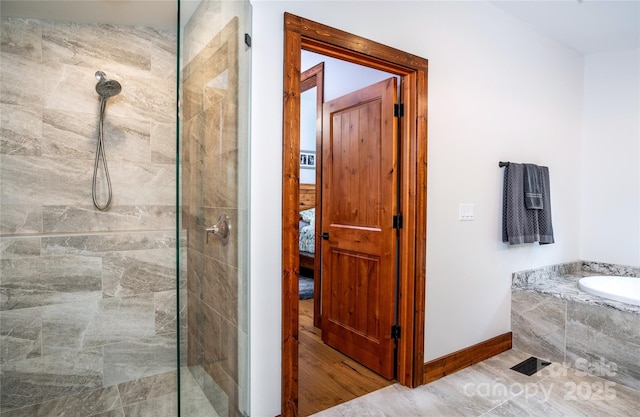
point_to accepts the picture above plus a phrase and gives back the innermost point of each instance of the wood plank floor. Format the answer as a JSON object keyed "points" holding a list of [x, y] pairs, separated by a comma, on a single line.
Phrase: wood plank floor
{"points": [[326, 377]]}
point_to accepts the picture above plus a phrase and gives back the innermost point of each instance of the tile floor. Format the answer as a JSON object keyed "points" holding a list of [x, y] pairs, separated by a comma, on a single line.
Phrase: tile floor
{"points": [[490, 388]]}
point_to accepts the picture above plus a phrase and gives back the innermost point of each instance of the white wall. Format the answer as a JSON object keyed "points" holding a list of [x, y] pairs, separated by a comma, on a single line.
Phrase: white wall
{"points": [[308, 118], [611, 159], [497, 91], [340, 78]]}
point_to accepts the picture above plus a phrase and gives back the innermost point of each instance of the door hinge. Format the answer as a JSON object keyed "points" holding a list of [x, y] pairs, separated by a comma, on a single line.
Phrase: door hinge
{"points": [[397, 221], [247, 40], [395, 331], [324, 235], [398, 110]]}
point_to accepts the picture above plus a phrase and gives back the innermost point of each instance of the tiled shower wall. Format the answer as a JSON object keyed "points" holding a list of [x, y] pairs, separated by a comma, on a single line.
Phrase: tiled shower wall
{"points": [[87, 298]]}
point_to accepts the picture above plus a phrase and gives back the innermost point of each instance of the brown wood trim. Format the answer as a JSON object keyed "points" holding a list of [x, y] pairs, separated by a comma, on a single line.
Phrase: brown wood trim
{"points": [[463, 358], [420, 261], [317, 266], [314, 77], [344, 45], [413, 207], [290, 203], [407, 355], [300, 34]]}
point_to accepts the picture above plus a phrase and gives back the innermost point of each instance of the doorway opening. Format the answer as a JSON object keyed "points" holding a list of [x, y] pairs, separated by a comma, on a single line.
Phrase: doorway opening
{"points": [[304, 34], [331, 371]]}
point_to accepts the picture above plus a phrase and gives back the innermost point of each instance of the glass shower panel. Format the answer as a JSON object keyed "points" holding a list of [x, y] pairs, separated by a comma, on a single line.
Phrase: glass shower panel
{"points": [[214, 158], [87, 297]]}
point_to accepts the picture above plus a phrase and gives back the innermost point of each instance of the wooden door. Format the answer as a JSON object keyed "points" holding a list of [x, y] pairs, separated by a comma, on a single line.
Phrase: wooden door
{"points": [[358, 204]]}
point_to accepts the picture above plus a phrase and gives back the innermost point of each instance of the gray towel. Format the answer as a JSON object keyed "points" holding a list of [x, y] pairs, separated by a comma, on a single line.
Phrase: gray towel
{"points": [[532, 187], [520, 225]]}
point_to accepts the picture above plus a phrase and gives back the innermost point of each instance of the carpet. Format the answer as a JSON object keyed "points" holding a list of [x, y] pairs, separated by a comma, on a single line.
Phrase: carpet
{"points": [[306, 287]]}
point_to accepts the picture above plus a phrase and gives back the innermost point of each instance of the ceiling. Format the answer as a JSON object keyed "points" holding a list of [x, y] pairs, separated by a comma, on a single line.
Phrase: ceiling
{"points": [[589, 26], [158, 13]]}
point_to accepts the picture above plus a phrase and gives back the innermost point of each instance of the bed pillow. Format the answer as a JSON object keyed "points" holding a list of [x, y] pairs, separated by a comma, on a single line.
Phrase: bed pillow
{"points": [[308, 215]]}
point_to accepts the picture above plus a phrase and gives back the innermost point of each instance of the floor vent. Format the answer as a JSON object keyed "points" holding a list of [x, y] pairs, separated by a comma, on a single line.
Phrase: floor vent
{"points": [[530, 366]]}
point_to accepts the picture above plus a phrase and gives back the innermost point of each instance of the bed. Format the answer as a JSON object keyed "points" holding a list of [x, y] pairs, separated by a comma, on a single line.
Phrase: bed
{"points": [[307, 225], [307, 241]]}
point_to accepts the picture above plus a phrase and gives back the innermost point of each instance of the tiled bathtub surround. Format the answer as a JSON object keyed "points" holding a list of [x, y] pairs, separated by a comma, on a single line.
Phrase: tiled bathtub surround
{"points": [[554, 320], [87, 298]]}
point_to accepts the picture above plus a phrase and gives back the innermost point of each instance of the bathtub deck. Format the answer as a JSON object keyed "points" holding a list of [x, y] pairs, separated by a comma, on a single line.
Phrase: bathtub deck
{"points": [[566, 287]]}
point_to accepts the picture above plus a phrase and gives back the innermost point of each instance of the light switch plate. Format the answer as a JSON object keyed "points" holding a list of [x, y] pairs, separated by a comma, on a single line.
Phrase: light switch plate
{"points": [[466, 212]]}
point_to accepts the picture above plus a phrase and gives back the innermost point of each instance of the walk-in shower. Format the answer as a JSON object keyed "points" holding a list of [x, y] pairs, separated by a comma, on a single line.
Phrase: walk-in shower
{"points": [[106, 89], [125, 310]]}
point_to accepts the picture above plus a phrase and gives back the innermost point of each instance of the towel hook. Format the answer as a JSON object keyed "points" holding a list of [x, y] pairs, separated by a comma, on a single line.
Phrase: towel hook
{"points": [[222, 229]]}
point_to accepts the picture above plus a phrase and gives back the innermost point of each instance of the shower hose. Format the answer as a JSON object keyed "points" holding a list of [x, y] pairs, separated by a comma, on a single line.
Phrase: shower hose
{"points": [[100, 154]]}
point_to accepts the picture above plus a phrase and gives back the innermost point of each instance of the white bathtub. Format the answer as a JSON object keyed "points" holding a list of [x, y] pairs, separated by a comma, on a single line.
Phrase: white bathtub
{"points": [[625, 289]]}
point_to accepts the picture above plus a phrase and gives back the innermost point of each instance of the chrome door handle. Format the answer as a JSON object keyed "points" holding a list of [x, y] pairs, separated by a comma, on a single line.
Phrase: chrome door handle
{"points": [[222, 229]]}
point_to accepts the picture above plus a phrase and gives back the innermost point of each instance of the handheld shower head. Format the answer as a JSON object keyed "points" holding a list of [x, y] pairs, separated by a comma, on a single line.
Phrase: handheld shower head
{"points": [[106, 88]]}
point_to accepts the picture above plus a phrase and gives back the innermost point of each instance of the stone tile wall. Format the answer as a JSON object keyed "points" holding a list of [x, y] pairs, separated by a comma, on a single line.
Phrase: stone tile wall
{"points": [[87, 298]]}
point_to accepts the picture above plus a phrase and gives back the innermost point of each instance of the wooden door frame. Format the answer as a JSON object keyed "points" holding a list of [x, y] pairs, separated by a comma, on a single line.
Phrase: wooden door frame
{"points": [[301, 33], [314, 77]]}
